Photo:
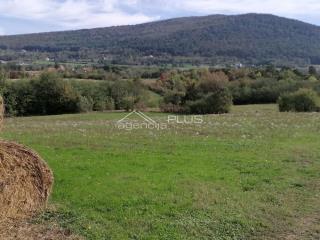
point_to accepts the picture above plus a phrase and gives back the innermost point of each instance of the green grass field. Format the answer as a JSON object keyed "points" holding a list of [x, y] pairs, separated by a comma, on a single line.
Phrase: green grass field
{"points": [[251, 174]]}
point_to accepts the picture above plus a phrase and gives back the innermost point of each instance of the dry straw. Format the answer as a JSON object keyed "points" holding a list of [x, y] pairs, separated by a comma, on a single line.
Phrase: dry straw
{"points": [[25, 181]]}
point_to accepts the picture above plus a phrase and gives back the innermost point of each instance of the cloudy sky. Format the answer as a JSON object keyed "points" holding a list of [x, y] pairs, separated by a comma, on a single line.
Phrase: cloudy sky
{"points": [[25, 16]]}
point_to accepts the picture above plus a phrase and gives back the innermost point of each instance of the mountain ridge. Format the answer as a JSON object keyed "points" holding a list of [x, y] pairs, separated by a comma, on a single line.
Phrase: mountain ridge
{"points": [[251, 38], [161, 21]]}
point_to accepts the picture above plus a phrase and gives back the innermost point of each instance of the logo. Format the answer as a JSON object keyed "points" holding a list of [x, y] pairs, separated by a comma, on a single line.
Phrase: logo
{"points": [[127, 123], [185, 119], [138, 120]]}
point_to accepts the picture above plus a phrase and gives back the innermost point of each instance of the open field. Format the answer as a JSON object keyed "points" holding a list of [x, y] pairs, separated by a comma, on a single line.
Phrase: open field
{"points": [[251, 174]]}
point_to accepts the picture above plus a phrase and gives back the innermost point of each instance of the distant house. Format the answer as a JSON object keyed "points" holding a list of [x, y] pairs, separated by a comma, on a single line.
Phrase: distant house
{"points": [[150, 56], [238, 65]]}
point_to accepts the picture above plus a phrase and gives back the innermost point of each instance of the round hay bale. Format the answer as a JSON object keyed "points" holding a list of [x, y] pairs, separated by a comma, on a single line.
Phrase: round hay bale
{"points": [[25, 181]]}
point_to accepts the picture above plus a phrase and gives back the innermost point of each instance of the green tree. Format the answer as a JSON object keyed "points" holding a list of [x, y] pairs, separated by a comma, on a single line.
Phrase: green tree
{"points": [[303, 100], [53, 95]]}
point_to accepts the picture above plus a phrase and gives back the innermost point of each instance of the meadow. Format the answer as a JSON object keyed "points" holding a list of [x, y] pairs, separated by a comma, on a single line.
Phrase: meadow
{"points": [[250, 174]]}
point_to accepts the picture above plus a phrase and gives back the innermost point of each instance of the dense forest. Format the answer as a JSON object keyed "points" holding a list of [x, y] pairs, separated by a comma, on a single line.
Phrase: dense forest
{"points": [[250, 39]]}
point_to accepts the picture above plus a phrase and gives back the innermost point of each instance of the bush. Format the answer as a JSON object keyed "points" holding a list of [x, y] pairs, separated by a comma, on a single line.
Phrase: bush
{"points": [[103, 104], [208, 95], [85, 104], [126, 94], [170, 108], [217, 102], [19, 97], [53, 96], [44, 96], [211, 96], [109, 104], [304, 100]]}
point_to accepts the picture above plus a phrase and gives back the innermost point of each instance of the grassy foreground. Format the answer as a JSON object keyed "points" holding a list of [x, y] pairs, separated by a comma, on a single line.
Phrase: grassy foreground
{"points": [[251, 174]]}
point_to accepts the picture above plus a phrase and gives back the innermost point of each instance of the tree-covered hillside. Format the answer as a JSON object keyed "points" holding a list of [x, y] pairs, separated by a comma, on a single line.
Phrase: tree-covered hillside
{"points": [[250, 38]]}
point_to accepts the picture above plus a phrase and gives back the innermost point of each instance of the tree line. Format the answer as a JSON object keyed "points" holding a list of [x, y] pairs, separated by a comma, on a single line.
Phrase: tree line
{"points": [[191, 91]]}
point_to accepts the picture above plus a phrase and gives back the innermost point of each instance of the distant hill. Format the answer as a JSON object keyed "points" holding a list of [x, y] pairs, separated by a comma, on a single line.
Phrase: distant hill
{"points": [[249, 38]]}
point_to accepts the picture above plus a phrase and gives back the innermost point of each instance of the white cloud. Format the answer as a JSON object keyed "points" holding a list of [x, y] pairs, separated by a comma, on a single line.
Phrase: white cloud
{"points": [[284, 7], [72, 13], [307, 9]]}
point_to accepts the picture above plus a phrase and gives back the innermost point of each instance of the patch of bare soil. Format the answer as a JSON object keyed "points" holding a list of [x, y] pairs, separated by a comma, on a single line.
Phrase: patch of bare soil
{"points": [[25, 230], [306, 228]]}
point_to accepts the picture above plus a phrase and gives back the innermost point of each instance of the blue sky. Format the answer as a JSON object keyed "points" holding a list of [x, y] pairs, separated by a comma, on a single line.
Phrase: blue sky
{"points": [[26, 16]]}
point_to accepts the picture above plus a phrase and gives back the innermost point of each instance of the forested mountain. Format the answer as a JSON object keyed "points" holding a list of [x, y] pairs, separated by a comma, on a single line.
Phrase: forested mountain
{"points": [[249, 38]]}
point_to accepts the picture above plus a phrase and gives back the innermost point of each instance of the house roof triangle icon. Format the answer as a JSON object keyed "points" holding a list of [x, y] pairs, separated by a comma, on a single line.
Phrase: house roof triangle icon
{"points": [[140, 114]]}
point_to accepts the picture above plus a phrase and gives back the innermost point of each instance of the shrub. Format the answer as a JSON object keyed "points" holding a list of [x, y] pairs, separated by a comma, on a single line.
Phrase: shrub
{"points": [[211, 96], [53, 96], [217, 102], [44, 96], [211, 82], [173, 97], [208, 95], [170, 108], [19, 97], [109, 104], [126, 94], [85, 104], [172, 101], [303, 100], [128, 103], [103, 104]]}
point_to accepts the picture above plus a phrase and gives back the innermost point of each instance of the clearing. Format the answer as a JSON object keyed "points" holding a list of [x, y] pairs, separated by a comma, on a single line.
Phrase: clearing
{"points": [[251, 174]]}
